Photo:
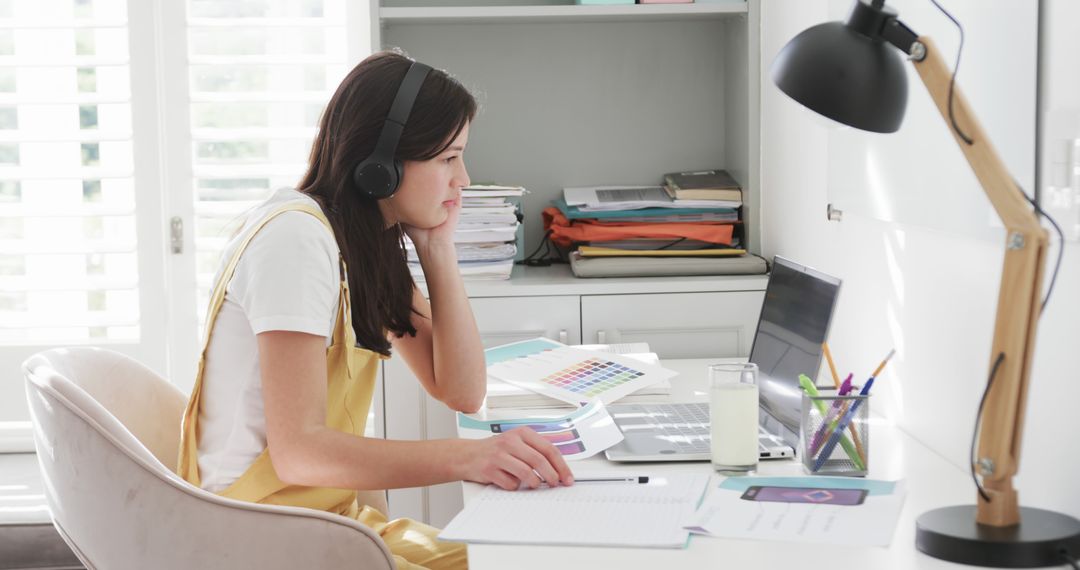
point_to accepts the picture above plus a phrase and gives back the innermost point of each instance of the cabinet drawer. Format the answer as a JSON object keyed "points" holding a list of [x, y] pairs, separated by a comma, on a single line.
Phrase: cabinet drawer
{"points": [[683, 325], [503, 320]]}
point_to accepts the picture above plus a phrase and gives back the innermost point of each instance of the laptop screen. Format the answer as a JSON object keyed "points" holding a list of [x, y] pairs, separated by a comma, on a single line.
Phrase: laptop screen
{"points": [[794, 321]]}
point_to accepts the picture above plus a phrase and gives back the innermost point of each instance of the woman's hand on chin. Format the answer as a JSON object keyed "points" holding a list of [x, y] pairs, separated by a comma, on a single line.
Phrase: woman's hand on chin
{"points": [[440, 236]]}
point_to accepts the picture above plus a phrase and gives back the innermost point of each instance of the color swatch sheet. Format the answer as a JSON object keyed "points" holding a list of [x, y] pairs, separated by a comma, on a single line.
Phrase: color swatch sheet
{"points": [[578, 435], [649, 515], [728, 513], [574, 375]]}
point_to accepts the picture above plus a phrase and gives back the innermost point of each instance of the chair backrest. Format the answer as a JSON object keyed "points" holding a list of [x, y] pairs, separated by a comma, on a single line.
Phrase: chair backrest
{"points": [[107, 429], [145, 404]]}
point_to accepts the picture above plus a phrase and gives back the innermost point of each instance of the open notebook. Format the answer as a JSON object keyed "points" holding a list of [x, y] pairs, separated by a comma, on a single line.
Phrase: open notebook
{"points": [[650, 515]]}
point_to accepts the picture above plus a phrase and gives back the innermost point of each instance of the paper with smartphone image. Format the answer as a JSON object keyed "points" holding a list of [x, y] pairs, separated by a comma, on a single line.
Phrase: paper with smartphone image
{"points": [[819, 510], [583, 433]]}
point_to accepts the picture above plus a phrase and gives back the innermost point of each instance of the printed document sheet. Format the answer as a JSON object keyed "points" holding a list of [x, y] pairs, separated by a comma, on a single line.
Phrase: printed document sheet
{"points": [[726, 513]]}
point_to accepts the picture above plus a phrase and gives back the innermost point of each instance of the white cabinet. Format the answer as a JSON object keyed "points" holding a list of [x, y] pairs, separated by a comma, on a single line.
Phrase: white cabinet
{"points": [[503, 320], [686, 317], [675, 325]]}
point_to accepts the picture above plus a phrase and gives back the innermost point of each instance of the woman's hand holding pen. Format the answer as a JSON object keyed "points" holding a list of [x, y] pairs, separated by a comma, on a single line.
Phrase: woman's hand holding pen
{"points": [[512, 460]]}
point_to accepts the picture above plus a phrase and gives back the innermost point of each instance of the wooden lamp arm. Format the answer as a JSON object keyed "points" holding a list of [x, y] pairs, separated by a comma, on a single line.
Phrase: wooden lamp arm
{"points": [[1019, 297]]}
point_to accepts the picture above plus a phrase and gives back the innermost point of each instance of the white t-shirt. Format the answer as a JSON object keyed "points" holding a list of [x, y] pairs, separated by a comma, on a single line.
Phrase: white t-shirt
{"points": [[287, 279]]}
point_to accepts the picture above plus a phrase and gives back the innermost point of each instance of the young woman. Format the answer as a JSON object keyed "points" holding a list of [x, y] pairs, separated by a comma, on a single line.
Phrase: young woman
{"points": [[315, 290]]}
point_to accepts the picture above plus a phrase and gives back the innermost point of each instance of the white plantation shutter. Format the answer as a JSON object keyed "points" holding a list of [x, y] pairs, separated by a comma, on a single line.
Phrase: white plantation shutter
{"points": [[119, 118], [260, 74], [78, 243], [68, 263]]}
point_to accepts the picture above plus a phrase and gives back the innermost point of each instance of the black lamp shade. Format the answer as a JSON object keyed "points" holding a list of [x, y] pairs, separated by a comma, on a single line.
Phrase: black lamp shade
{"points": [[845, 76]]}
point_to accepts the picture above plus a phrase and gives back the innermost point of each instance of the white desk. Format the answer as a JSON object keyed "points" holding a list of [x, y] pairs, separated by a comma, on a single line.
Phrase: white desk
{"points": [[932, 482]]}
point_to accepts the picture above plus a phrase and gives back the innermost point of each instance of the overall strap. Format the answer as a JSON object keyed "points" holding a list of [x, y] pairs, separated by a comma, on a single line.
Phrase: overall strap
{"points": [[217, 296]]}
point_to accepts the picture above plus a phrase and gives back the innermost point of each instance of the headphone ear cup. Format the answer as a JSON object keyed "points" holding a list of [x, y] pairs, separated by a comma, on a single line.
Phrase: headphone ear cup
{"points": [[399, 175], [374, 179]]}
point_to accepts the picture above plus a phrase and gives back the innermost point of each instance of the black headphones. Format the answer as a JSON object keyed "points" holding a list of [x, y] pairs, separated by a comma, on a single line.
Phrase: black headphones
{"points": [[379, 175]]}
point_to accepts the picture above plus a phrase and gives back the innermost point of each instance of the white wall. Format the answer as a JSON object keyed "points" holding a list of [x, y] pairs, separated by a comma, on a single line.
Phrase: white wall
{"points": [[929, 293]]}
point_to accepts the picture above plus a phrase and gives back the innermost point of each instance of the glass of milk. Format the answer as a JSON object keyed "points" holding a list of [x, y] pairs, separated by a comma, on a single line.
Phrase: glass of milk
{"points": [[733, 411]]}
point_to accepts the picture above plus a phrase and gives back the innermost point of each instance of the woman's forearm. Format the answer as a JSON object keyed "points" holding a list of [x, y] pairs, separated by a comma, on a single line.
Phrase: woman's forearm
{"points": [[330, 458], [457, 353]]}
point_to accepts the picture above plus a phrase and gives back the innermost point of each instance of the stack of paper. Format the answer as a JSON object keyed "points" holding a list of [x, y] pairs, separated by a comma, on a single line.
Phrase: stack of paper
{"points": [[650, 515], [606, 198], [486, 234]]}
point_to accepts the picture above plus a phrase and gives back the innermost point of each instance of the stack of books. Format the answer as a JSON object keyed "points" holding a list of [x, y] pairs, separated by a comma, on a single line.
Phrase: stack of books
{"points": [[716, 186], [691, 225], [487, 236]]}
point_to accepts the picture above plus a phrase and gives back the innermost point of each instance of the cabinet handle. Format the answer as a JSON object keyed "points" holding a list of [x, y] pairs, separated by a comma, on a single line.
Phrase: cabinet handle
{"points": [[562, 336], [601, 337]]}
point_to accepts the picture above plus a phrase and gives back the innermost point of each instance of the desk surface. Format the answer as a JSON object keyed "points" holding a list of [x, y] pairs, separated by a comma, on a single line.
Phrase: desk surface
{"points": [[931, 482]]}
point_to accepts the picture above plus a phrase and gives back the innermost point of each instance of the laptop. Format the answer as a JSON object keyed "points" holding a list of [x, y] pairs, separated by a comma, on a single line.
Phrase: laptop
{"points": [[794, 322]]}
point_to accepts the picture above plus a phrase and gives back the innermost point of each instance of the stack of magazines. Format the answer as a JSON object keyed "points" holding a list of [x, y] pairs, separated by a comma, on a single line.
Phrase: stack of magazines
{"points": [[487, 233]]}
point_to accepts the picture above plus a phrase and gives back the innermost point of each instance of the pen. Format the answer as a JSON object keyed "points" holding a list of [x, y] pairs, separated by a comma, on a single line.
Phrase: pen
{"points": [[845, 443], [836, 380], [640, 480], [829, 422], [839, 431]]}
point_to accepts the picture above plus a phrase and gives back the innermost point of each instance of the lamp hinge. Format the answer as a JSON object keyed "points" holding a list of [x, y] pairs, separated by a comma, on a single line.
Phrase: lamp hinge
{"points": [[1016, 241], [986, 466]]}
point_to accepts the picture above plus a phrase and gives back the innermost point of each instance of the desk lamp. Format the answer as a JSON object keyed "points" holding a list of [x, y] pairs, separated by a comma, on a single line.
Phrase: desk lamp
{"points": [[851, 72]]}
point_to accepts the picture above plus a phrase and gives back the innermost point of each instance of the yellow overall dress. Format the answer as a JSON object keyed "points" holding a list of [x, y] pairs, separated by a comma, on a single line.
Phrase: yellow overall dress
{"points": [[351, 373]]}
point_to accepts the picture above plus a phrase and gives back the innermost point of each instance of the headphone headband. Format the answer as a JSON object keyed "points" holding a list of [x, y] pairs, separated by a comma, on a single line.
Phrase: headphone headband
{"points": [[400, 110], [379, 175]]}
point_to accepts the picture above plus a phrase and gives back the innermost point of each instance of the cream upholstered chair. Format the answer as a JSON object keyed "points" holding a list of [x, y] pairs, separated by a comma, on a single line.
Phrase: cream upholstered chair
{"points": [[107, 431]]}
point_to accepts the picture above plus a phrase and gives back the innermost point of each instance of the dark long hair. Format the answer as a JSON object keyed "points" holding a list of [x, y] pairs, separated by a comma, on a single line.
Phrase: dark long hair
{"points": [[379, 280]]}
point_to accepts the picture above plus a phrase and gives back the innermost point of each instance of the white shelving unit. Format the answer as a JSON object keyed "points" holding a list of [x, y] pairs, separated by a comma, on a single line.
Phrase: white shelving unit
{"points": [[588, 95], [503, 14]]}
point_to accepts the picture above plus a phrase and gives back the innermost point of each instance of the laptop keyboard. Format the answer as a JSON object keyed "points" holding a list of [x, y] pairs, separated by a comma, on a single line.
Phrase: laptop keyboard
{"points": [[687, 426]]}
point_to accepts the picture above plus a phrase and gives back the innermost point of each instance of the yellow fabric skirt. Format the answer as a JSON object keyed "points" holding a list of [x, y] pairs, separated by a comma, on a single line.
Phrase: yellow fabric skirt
{"points": [[413, 543]]}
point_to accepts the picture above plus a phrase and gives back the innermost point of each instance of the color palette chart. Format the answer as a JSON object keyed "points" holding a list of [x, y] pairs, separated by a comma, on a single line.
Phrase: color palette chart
{"points": [[580, 434], [576, 375], [592, 377]]}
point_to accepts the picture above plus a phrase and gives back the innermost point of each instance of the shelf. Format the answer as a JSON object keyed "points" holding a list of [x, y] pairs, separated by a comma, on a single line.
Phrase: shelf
{"points": [[558, 280], [527, 14]]}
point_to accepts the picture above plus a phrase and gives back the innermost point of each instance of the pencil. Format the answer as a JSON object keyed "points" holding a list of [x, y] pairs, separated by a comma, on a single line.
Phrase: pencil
{"points": [[832, 365], [836, 380], [883, 363]]}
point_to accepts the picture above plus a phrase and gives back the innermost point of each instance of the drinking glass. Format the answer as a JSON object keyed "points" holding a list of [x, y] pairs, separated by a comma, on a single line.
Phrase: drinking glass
{"points": [[733, 411]]}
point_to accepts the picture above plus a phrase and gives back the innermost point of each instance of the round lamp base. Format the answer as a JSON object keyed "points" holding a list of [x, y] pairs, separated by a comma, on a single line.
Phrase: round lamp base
{"points": [[951, 533]]}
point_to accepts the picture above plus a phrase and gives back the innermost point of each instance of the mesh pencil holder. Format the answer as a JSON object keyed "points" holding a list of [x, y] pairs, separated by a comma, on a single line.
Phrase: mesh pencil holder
{"points": [[834, 438]]}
